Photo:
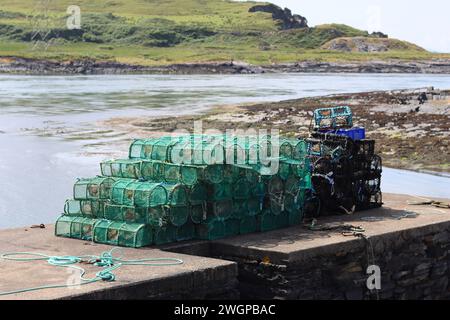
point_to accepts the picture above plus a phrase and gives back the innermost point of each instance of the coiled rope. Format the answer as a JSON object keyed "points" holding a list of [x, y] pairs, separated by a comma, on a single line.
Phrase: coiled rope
{"points": [[106, 261]]}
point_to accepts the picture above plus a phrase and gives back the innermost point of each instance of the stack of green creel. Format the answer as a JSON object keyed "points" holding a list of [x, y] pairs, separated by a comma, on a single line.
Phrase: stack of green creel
{"points": [[180, 189]]}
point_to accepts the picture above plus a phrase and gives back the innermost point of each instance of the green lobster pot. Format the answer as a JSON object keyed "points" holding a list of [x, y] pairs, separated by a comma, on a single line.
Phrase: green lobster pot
{"points": [[266, 221], [157, 216], [284, 170], [182, 152], [211, 230], [185, 232], [143, 148], [121, 169], [295, 217], [258, 190], [140, 194], [178, 215], [213, 174], [300, 150], [208, 153], [248, 225], [254, 206], [172, 173], [306, 182], [232, 227], [299, 168], [164, 235], [240, 208], [84, 208], [221, 209], [230, 173], [286, 149], [197, 194], [122, 234], [75, 227], [152, 170], [219, 192], [276, 204], [177, 194], [241, 189], [275, 186], [93, 189], [162, 149], [198, 213], [290, 203], [292, 186], [282, 220], [126, 214]]}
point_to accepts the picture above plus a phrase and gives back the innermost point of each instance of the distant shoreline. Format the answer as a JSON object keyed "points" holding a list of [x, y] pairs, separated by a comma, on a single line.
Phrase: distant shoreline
{"points": [[24, 66]]}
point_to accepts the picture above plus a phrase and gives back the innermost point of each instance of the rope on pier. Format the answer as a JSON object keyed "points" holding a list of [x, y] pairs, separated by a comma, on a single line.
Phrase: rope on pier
{"points": [[106, 261]]}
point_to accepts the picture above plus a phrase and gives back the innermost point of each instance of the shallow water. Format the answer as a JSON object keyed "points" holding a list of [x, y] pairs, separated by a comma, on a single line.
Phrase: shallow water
{"points": [[37, 173]]}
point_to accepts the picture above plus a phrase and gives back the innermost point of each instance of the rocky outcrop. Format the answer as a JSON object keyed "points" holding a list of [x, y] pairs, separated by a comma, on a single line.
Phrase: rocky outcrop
{"points": [[12, 65], [368, 44], [286, 18]]}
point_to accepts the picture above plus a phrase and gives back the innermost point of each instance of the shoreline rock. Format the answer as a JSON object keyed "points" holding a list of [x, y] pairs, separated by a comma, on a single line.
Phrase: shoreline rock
{"points": [[14, 65]]}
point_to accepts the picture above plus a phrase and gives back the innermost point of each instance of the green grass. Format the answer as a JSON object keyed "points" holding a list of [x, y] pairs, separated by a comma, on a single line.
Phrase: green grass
{"points": [[157, 32]]}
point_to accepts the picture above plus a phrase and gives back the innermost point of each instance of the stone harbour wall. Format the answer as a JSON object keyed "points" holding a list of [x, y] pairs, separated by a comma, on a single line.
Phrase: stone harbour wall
{"points": [[414, 264]]}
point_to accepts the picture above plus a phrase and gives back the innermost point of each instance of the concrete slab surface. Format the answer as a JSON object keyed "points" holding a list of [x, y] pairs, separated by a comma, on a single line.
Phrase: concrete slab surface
{"points": [[294, 244], [132, 282]]}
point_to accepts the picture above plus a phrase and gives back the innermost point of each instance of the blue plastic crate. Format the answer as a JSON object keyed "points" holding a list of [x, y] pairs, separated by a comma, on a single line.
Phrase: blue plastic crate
{"points": [[355, 134]]}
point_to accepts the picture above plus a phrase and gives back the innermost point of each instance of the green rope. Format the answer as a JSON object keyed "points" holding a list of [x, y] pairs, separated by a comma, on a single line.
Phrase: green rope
{"points": [[106, 260]]}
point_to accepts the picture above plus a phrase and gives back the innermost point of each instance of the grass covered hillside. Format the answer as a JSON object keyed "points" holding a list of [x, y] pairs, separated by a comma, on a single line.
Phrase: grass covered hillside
{"points": [[161, 32]]}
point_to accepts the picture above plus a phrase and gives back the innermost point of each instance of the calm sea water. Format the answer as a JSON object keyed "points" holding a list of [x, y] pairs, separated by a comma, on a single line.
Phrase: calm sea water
{"points": [[37, 173]]}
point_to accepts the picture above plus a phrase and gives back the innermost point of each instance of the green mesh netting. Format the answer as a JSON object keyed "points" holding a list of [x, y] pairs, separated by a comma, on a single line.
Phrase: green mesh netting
{"points": [[185, 232], [178, 215], [75, 227], [248, 225], [232, 227], [177, 194], [178, 188], [126, 214], [84, 208], [211, 230], [121, 169], [221, 209], [198, 213], [92, 189], [122, 234], [164, 235], [140, 194]]}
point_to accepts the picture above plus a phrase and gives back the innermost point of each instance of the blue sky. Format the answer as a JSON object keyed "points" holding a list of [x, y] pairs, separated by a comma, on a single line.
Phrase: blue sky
{"points": [[426, 23]]}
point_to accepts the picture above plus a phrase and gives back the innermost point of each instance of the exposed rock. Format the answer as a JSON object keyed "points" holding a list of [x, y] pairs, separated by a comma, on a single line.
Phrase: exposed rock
{"points": [[288, 20], [367, 44]]}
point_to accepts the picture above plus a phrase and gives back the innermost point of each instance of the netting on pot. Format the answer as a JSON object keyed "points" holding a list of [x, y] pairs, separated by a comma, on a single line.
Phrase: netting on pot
{"points": [[198, 213], [130, 169], [197, 194], [177, 194], [220, 209], [219, 192], [75, 227], [93, 189], [254, 206], [248, 225], [232, 227], [126, 214], [284, 170], [84, 208], [164, 235], [240, 208], [210, 230], [276, 203], [275, 186], [140, 194], [121, 234], [185, 232], [241, 189], [178, 215]]}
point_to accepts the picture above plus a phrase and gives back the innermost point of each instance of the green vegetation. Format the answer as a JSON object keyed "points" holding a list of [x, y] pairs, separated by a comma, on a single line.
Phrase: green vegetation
{"points": [[156, 32]]}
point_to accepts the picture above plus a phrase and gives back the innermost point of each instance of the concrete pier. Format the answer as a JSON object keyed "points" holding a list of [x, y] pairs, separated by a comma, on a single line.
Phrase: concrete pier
{"points": [[410, 244]]}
